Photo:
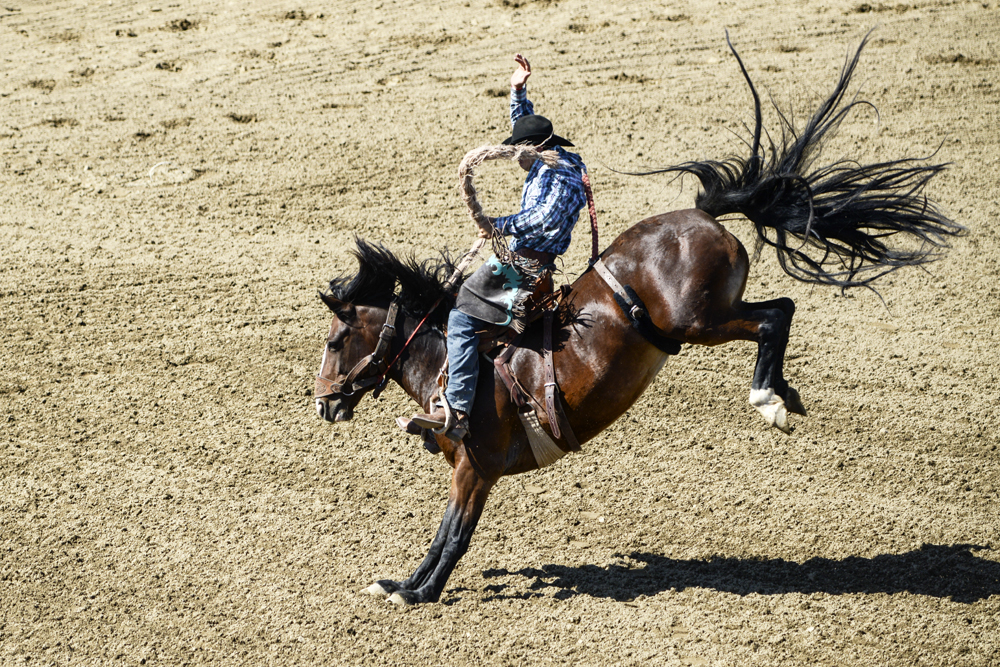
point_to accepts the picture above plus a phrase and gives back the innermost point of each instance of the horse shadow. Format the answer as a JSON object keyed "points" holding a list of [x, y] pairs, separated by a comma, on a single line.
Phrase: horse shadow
{"points": [[941, 571]]}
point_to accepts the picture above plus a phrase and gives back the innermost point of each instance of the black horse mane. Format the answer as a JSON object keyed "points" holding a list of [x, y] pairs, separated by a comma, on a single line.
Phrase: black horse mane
{"points": [[421, 283], [829, 225]]}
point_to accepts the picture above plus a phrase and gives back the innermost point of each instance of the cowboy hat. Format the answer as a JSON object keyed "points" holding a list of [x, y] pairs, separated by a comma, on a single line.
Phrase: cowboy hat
{"points": [[536, 130]]}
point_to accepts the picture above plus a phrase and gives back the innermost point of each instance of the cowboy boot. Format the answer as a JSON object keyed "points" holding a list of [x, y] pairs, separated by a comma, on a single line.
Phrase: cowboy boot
{"points": [[436, 421], [408, 426]]}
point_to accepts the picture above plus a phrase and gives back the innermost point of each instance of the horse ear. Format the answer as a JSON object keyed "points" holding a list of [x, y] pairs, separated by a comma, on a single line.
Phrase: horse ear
{"points": [[331, 302], [342, 309]]}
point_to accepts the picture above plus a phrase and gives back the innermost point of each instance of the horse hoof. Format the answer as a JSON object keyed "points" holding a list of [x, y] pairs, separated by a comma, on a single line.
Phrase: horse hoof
{"points": [[781, 420], [794, 403], [376, 590], [403, 598], [771, 407]]}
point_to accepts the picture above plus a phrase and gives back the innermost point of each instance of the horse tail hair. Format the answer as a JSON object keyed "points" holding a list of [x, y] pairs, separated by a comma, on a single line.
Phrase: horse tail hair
{"points": [[830, 225]]}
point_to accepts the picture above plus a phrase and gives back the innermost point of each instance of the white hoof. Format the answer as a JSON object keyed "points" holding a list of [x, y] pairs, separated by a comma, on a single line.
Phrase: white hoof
{"points": [[396, 598], [376, 590], [772, 407]]}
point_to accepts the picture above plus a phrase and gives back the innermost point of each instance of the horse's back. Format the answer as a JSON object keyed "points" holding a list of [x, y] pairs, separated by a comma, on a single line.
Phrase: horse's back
{"points": [[686, 238]]}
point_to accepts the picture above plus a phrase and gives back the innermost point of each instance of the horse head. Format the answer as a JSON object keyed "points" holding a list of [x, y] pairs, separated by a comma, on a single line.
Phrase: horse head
{"points": [[354, 357], [366, 307]]}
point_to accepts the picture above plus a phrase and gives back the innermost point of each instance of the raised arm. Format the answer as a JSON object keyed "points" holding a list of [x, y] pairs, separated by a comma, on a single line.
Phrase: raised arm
{"points": [[519, 103], [521, 74]]}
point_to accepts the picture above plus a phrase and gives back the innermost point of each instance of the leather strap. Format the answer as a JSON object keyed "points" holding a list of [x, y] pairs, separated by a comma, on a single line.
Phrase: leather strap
{"points": [[635, 311], [539, 256], [550, 378], [552, 406], [501, 363], [519, 394]]}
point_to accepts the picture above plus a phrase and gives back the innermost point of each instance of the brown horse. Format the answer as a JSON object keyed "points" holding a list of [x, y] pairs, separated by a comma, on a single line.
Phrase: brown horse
{"points": [[686, 268]]}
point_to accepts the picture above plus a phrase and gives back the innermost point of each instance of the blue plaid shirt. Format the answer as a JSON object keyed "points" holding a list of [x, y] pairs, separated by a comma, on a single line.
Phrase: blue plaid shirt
{"points": [[551, 199]]}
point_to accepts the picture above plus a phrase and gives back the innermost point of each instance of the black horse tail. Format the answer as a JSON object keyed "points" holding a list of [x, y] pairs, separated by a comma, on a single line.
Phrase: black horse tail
{"points": [[841, 216]]}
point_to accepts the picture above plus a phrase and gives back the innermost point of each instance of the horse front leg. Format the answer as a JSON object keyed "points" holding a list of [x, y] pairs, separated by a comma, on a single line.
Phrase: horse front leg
{"points": [[770, 393], [466, 501]]}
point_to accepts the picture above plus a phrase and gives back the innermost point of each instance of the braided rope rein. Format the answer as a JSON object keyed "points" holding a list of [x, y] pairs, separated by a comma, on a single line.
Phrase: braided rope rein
{"points": [[467, 187], [592, 209]]}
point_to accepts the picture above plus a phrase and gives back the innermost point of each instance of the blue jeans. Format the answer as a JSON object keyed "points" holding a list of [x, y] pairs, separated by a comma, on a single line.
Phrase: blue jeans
{"points": [[463, 359]]}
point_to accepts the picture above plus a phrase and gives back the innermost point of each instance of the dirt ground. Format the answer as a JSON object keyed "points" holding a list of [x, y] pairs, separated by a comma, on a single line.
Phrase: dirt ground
{"points": [[177, 180]]}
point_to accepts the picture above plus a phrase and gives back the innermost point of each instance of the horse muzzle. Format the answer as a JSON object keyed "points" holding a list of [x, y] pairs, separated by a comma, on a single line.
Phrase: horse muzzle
{"points": [[334, 410]]}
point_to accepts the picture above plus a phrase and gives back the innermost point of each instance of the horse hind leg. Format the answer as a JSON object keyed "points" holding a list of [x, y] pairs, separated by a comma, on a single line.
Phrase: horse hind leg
{"points": [[770, 393], [768, 323]]}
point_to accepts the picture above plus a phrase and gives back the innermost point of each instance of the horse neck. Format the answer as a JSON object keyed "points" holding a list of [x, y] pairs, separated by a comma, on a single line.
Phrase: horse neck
{"points": [[417, 370]]}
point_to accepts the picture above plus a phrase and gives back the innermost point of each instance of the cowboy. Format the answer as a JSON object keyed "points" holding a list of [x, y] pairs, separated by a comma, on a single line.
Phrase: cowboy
{"points": [[550, 205]]}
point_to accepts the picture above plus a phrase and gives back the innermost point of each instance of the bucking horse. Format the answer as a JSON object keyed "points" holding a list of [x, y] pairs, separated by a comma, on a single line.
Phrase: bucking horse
{"points": [[843, 225]]}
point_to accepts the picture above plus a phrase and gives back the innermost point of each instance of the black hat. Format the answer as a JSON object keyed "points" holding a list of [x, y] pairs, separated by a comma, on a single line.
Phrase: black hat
{"points": [[534, 129]]}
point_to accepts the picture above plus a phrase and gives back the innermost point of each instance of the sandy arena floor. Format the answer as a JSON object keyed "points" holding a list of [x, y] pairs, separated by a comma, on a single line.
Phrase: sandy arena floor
{"points": [[177, 180]]}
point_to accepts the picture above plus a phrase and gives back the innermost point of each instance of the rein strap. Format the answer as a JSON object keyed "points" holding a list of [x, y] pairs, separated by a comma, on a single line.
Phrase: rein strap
{"points": [[592, 208]]}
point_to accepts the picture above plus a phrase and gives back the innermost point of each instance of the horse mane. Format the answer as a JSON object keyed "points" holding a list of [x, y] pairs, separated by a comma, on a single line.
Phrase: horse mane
{"points": [[421, 283]]}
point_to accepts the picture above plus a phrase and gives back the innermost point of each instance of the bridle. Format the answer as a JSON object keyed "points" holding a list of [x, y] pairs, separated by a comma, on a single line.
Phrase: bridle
{"points": [[347, 385]]}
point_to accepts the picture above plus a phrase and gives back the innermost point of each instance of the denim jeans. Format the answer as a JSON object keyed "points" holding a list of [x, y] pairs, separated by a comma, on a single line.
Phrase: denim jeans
{"points": [[463, 359]]}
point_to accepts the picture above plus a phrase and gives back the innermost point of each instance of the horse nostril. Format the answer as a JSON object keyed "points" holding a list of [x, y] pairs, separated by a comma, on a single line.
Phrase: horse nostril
{"points": [[320, 407]]}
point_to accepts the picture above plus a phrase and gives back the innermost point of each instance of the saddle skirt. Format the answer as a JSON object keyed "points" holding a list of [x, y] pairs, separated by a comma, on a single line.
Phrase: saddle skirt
{"points": [[501, 293]]}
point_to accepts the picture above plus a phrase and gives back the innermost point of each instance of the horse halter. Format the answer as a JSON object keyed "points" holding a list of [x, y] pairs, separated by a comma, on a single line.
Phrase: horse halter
{"points": [[348, 384]]}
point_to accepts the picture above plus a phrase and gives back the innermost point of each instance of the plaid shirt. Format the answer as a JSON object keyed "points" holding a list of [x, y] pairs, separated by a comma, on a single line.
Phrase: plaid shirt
{"points": [[551, 199]]}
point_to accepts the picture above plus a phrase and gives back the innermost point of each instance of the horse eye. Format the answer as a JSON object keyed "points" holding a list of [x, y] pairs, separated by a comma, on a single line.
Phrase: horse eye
{"points": [[336, 342]]}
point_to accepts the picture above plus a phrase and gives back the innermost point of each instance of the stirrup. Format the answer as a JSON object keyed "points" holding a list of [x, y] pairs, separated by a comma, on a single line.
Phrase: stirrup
{"points": [[455, 428], [449, 417], [458, 430]]}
